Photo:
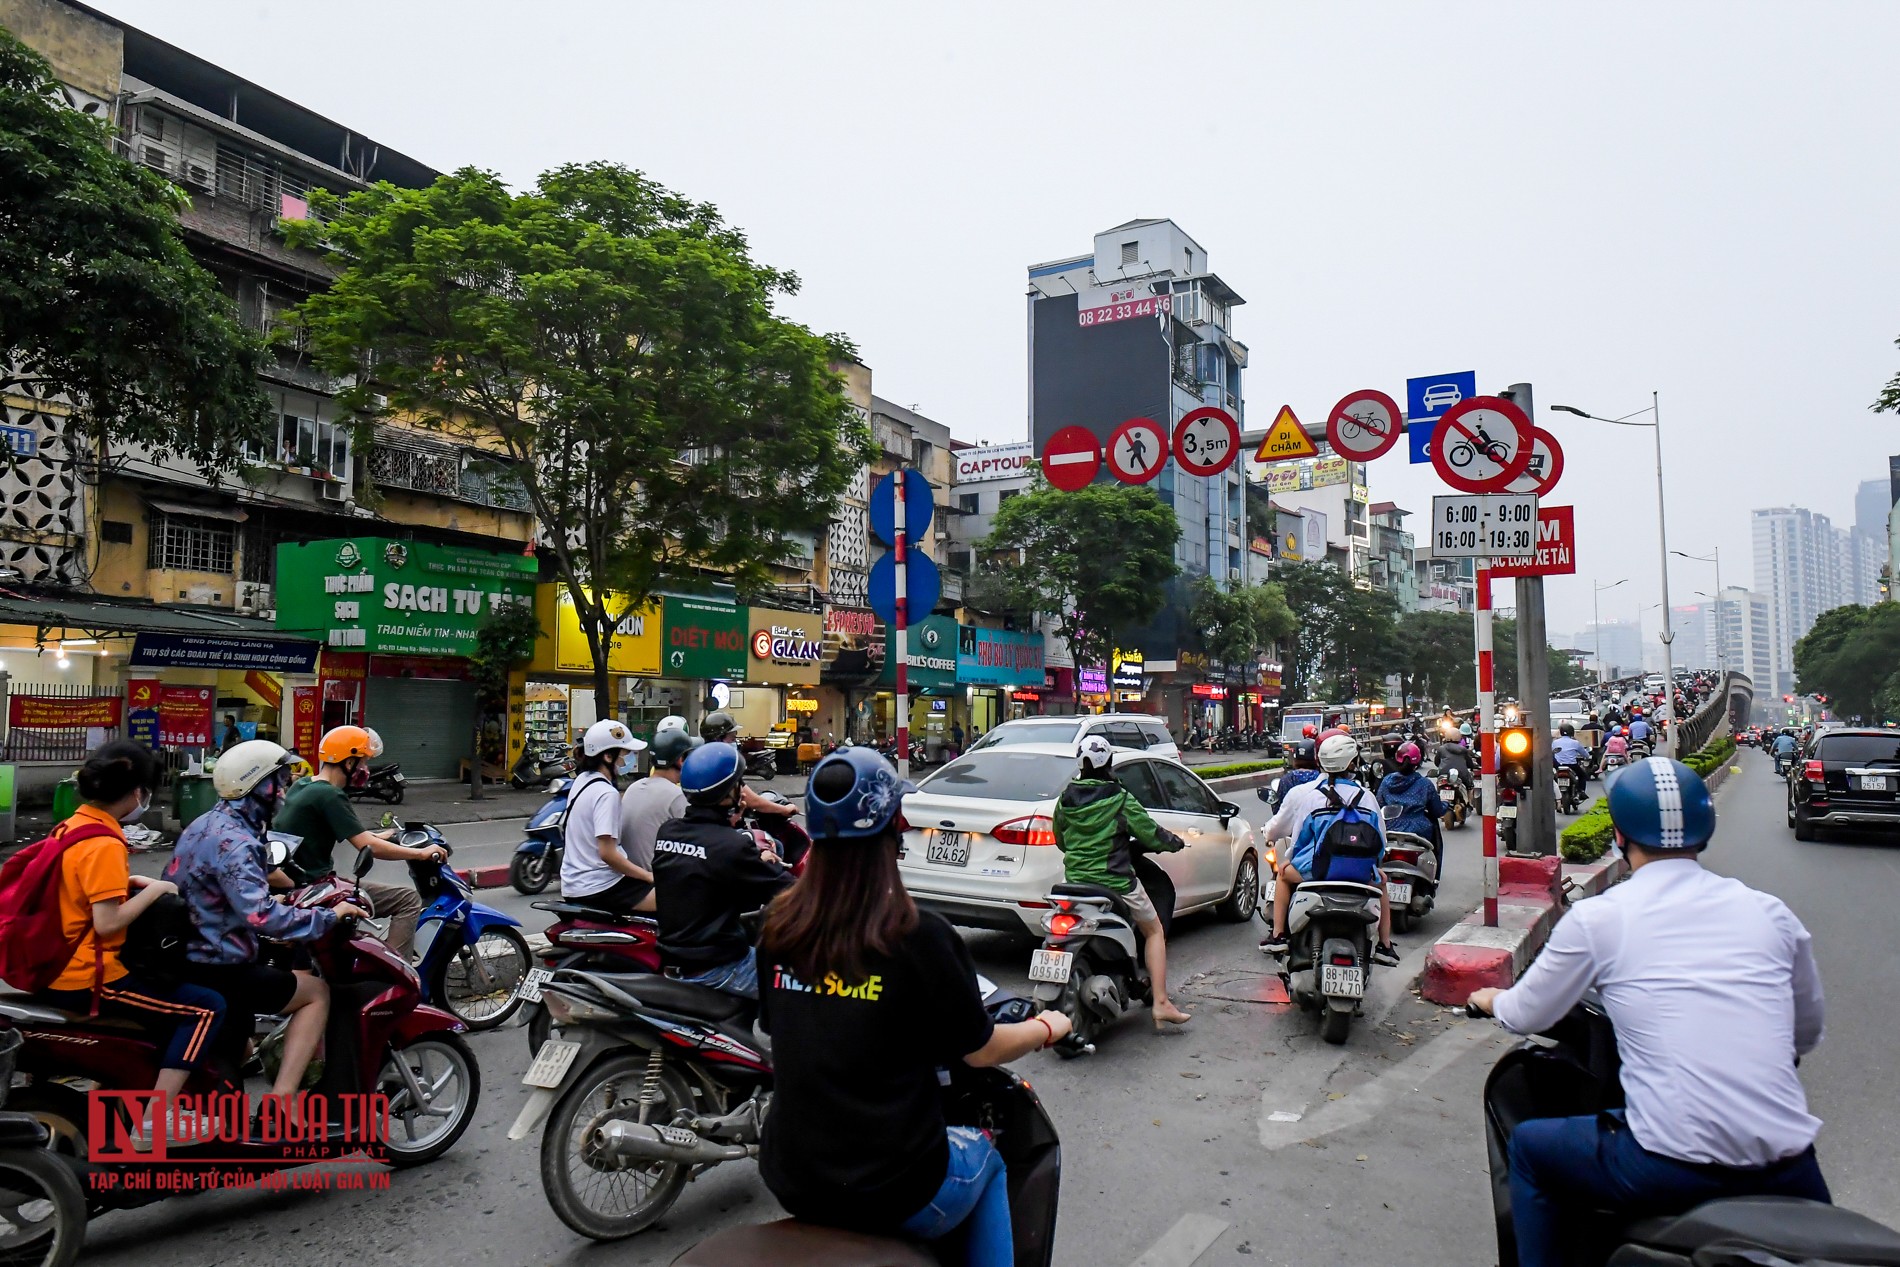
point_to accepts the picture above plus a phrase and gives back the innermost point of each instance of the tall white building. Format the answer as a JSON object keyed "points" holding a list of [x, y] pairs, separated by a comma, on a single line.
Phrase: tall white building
{"points": [[1803, 567]]}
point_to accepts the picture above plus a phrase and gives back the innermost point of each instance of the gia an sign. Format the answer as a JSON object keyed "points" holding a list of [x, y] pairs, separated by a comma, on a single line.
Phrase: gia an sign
{"points": [[385, 596], [786, 646]]}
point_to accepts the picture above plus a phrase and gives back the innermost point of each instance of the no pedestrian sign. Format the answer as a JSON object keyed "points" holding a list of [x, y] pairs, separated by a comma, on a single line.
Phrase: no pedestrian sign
{"points": [[1137, 451]]}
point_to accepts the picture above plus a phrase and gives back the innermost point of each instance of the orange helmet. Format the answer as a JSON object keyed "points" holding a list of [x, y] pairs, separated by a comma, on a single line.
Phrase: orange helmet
{"points": [[344, 742]]}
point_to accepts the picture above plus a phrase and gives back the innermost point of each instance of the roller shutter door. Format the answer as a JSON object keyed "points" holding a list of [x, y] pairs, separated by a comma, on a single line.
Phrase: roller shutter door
{"points": [[426, 724]]}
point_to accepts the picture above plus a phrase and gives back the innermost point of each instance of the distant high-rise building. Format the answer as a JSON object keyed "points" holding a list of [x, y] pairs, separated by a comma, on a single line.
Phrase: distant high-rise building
{"points": [[1615, 647], [1803, 567]]}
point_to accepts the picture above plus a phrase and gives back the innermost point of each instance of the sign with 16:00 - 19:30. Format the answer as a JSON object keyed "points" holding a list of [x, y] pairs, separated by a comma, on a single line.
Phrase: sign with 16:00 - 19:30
{"points": [[1494, 525]]}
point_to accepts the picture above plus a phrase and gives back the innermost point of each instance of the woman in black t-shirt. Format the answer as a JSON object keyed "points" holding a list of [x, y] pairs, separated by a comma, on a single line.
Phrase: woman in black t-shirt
{"points": [[866, 999]]}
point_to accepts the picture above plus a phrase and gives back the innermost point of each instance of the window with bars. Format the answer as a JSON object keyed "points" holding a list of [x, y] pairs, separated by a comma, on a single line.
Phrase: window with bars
{"points": [[189, 544]]}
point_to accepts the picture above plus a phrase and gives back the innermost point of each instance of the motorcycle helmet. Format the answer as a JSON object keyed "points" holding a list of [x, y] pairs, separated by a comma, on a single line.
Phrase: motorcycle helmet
{"points": [[1567, 729], [672, 721], [1662, 804], [1636, 710], [709, 774], [854, 794], [718, 727], [1408, 758], [1304, 755], [1309, 731], [341, 743], [1338, 753], [375, 743], [1464, 730], [609, 735], [248, 766], [670, 747], [1097, 755]]}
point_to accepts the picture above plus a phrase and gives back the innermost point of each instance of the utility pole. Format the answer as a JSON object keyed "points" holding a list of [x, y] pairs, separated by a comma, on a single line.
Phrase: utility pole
{"points": [[1537, 821]]}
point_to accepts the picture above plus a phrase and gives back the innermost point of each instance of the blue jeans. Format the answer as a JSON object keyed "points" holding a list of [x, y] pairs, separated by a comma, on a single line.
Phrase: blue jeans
{"points": [[1596, 1163], [740, 977], [975, 1192]]}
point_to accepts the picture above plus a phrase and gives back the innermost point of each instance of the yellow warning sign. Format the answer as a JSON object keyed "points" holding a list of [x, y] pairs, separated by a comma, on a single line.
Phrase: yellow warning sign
{"points": [[1286, 440]]}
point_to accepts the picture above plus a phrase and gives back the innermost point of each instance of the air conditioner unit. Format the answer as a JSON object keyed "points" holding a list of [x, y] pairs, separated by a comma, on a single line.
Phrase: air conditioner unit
{"points": [[333, 490], [1233, 574], [255, 598], [199, 178], [155, 157]]}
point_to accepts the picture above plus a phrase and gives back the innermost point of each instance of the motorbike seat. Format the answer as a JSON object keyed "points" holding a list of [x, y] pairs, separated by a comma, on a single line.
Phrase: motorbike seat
{"points": [[1116, 901], [24, 1009], [682, 998], [790, 1243], [575, 909], [1789, 1226]]}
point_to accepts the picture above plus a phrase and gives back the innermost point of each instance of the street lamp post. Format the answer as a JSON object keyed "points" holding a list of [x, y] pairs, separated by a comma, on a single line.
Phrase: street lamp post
{"points": [[1596, 610], [1721, 621], [1662, 540]]}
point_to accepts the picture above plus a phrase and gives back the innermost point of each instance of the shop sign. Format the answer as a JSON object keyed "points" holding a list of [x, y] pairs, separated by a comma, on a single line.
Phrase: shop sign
{"points": [[785, 646], [214, 651], [344, 666], [184, 716], [1025, 697], [1092, 681], [1128, 697], [384, 596], [1128, 666], [305, 720], [69, 712], [998, 657], [705, 638], [1209, 690], [633, 649], [1330, 471], [858, 622], [992, 462], [797, 705], [931, 647]]}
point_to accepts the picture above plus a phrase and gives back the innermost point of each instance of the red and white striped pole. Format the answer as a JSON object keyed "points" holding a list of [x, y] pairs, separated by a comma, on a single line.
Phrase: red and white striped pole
{"points": [[1487, 746], [902, 584]]}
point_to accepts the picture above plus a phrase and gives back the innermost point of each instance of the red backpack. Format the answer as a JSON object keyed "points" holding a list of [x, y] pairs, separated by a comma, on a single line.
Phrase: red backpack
{"points": [[34, 948]]}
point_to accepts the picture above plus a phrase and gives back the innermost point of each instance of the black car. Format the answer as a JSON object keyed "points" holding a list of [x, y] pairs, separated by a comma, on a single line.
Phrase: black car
{"points": [[1846, 777]]}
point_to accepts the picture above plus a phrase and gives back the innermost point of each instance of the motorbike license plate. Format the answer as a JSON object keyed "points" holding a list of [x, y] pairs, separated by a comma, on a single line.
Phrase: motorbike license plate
{"points": [[952, 848], [400, 777], [1507, 811], [1870, 782], [1052, 966], [530, 987], [1398, 894], [1340, 980], [551, 1064]]}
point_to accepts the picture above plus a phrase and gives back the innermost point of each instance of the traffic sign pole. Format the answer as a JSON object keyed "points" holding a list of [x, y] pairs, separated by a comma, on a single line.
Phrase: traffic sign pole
{"points": [[1487, 746], [1537, 813], [899, 551]]}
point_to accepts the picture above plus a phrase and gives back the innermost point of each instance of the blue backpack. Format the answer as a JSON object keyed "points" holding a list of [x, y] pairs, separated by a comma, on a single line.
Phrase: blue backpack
{"points": [[1350, 845]]}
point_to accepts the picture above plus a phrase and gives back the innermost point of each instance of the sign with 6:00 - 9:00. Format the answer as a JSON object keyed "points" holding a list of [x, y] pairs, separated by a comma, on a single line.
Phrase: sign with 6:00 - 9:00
{"points": [[1486, 525]]}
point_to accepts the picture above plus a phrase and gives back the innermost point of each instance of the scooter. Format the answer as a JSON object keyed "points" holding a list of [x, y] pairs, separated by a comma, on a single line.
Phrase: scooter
{"points": [[384, 782], [1572, 780], [1572, 1070], [540, 768], [537, 858], [1089, 966], [1410, 868], [1330, 925], [44, 1204], [1457, 798], [382, 1041], [471, 958], [761, 761], [586, 939]]}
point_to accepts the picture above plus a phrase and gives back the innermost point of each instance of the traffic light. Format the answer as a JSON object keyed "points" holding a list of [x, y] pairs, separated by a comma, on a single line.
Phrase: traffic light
{"points": [[1514, 757]]}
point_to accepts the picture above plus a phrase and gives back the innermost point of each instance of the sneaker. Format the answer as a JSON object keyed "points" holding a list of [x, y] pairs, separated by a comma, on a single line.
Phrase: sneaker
{"points": [[1275, 945], [183, 1129], [1386, 953]]}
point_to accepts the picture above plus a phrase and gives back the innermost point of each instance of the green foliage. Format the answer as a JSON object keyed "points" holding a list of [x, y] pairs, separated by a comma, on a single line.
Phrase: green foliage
{"points": [[1852, 655], [1097, 559], [1437, 656], [616, 344], [1236, 767], [1588, 837], [99, 299], [1711, 757], [1348, 637], [504, 642], [1238, 624], [1889, 399]]}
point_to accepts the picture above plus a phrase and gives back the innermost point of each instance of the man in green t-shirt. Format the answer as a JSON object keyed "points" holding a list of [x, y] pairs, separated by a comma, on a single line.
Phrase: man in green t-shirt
{"points": [[318, 815]]}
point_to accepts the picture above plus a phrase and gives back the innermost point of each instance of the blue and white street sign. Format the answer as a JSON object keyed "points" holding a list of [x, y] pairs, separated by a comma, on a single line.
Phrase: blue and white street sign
{"points": [[917, 507], [1428, 398], [922, 583], [1419, 436]]}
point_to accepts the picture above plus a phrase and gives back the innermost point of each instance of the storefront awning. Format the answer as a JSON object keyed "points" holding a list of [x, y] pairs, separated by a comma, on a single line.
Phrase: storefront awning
{"points": [[235, 514], [100, 619]]}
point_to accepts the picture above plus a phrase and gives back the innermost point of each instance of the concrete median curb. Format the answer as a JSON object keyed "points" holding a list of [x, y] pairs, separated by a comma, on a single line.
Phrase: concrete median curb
{"points": [[1471, 956], [485, 877]]}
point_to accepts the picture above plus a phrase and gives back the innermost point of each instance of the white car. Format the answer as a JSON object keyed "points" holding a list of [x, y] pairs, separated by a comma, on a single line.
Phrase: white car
{"points": [[981, 846], [1139, 731]]}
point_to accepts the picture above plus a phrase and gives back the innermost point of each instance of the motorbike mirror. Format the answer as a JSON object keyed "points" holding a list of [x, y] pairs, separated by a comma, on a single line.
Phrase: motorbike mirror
{"points": [[1390, 813], [364, 861], [277, 848]]}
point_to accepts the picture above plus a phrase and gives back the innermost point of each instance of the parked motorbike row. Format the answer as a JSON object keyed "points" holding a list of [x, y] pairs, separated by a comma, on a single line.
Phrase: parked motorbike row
{"points": [[1232, 739]]}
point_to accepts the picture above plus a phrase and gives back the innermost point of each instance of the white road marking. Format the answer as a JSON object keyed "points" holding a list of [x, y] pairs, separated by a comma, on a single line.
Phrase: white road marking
{"points": [[1364, 1102], [1184, 1243]]}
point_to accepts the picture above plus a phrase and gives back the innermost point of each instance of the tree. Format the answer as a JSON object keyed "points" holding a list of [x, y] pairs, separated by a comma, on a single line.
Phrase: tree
{"points": [[1889, 399], [1238, 624], [504, 642], [1347, 636], [1437, 649], [1850, 656], [615, 345], [1097, 559], [100, 302]]}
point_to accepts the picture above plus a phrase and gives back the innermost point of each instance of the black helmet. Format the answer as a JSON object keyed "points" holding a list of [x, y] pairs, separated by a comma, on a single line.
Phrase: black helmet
{"points": [[718, 727], [1566, 729], [1306, 755], [670, 747]]}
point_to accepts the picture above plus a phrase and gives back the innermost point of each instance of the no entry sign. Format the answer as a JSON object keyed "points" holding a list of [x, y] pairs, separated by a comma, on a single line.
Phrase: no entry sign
{"points": [[1137, 451], [1364, 425], [1206, 441], [1482, 444], [1071, 458]]}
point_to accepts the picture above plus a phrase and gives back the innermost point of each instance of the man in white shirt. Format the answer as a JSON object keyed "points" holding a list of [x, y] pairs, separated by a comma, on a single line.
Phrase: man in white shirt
{"points": [[1714, 993]]}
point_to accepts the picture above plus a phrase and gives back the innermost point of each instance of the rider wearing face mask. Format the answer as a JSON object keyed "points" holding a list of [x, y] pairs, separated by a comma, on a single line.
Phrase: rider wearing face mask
{"points": [[595, 866], [220, 867], [319, 814]]}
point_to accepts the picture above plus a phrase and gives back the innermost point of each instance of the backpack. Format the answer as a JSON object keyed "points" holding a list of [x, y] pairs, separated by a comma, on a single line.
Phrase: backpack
{"points": [[34, 948], [1350, 845], [155, 942]]}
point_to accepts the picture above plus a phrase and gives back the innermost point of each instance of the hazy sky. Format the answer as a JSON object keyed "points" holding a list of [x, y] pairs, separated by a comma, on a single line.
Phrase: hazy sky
{"points": [[1601, 199]]}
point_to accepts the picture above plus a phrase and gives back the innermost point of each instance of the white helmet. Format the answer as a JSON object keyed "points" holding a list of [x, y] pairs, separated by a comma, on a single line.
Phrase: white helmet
{"points": [[604, 736], [239, 771], [1337, 754], [671, 722], [1096, 752]]}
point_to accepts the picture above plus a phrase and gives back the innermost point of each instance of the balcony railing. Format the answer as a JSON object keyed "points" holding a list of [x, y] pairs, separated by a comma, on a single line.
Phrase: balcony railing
{"points": [[400, 461]]}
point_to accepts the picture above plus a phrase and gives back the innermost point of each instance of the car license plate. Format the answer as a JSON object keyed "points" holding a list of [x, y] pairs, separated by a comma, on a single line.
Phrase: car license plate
{"points": [[1337, 979], [1398, 893], [551, 1064], [1870, 782], [1051, 966], [530, 987], [952, 848]]}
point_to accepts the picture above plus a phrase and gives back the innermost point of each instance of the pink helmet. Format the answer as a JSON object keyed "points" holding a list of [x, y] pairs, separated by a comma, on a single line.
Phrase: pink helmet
{"points": [[1408, 757]]}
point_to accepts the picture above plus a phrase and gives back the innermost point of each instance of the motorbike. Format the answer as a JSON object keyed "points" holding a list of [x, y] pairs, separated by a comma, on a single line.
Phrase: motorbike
{"points": [[45, 1204], [1509, 802], [1411, 873], [471, 958], [1572, 782], [381, 1040], [1457, 798], [1330, 925], [1089, 966], [540, 767], [761, 761], [586, 939], [384, 782], [537, 858], [1572, 1070]]}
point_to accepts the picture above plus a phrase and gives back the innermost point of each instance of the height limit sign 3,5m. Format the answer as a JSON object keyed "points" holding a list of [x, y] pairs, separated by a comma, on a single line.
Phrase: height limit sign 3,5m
{"points": [[1484, 525]]}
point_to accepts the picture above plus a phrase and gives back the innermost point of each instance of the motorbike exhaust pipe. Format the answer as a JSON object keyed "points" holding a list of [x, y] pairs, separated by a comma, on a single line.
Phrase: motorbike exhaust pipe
{"points": [[635, 1144]]}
